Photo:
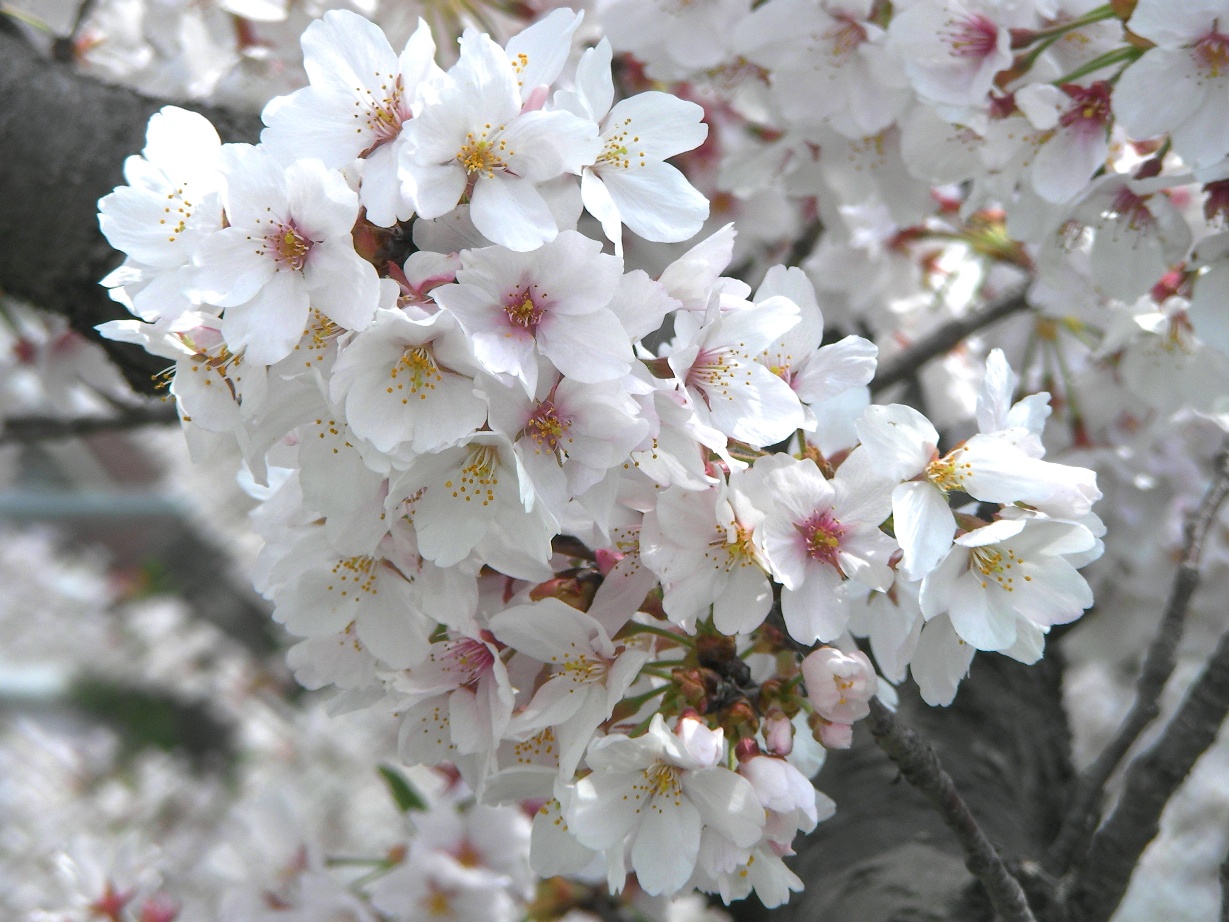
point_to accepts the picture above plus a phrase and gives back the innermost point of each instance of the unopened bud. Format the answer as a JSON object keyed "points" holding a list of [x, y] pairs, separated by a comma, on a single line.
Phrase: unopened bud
{"points": [[779, 735], [746, 749], [740, 720]]}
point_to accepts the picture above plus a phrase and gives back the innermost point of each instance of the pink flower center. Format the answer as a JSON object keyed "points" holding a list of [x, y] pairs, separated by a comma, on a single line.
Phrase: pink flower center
{"points": [[821, 537], [713, 374], [846, 35], [288, 246], [1090, 107], [547, 427], [1132, 208], [384, 114], [524, 308], [1212, 51], [467, 660], [975, 37]]}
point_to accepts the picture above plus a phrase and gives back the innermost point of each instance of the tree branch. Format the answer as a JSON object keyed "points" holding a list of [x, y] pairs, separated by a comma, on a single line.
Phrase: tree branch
{"points": [[24, 429], [946, 338], [1084, 811], [1150, 782], [63, 140], [920, 766]]}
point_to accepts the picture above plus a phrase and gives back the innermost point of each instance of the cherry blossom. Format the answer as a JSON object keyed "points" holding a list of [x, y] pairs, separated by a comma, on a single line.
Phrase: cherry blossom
{"points": [[287, 248], [655, 793]]}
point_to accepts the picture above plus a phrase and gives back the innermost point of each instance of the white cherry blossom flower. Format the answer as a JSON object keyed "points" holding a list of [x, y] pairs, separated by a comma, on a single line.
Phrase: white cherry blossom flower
{"points": [[171, 203], [655, 794], [360, 94], [703, 547], [569, 435], [952, 49], [729, 390], [553, 302], [476, 135], [1006, 571], [409, 382], [997, 467], [1076, 121], [587, 673], [1180, 87], [318, 592], [472, 496], [630, 182], [287, 248], [820, 533]]}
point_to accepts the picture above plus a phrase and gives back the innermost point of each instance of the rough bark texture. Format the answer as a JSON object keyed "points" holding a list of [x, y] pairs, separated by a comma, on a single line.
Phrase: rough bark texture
{"points": [[63, 140], [1005, 742]]}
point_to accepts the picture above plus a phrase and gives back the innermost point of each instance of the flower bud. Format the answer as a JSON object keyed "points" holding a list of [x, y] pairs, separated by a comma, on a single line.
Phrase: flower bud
{"points": [[779, 734], [746, 749], [839, 685]]}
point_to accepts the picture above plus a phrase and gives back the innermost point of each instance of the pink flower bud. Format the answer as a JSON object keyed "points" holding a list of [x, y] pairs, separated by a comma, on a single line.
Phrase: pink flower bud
{"points": [[746, 749], [839, 685], [779, 735], [835, 735]]}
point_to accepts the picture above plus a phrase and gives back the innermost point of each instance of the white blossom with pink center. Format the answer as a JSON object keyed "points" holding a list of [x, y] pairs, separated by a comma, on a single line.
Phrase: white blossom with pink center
{"points": [[287, 249], [461, 688], [1077, 119], [1181, 86], [478, 140], [729, 390], [361, 93], [953, 49], [570, 435], [552, 302], [820, 533]]}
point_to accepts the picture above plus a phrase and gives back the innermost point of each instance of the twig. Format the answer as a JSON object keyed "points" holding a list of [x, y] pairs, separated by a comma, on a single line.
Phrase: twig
{"points": [[920, 765], [1149, 783], [1083, 811], [946, 338], [26, 429]]}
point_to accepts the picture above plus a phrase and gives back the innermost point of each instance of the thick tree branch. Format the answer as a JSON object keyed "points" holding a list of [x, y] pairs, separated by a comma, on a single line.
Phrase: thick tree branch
{"points": [[1150, 782], [920, 766], [946, 338], [1085, 809], [63, 140], [24, 429]]}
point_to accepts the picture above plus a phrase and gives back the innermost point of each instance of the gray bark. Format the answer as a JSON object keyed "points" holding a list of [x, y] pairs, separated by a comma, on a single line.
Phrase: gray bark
{"points": [[63, 140]]}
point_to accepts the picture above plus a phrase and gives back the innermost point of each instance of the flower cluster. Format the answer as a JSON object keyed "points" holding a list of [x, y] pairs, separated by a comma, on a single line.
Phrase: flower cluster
{"points": [[571, 521]]}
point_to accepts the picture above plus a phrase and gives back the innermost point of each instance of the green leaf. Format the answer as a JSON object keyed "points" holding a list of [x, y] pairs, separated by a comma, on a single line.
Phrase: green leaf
{"points": [[404, 795]]}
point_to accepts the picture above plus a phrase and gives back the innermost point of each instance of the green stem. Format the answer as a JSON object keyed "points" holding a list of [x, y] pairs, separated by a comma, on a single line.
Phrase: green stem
{"points": [[638, 628], [1126, 53], [639, 700], [1092, 16]]}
